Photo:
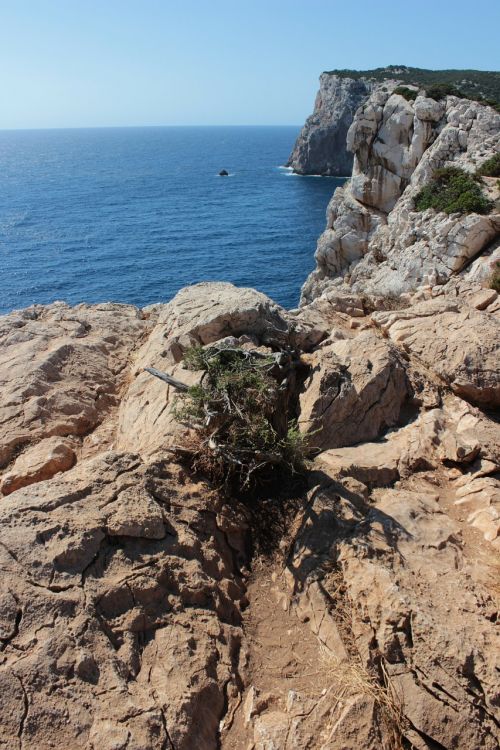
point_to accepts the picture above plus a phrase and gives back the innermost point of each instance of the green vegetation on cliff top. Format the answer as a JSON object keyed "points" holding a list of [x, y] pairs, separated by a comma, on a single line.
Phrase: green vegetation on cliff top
{"points": [[475, 84], [453, 190]]}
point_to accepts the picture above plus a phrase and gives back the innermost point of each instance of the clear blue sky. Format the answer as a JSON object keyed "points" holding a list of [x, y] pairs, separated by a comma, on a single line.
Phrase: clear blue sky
{"points": [[70, 63]]}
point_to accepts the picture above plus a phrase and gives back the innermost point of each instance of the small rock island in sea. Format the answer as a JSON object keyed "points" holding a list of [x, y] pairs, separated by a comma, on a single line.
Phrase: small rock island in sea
{"points": [[223, 173], [168, 581]]}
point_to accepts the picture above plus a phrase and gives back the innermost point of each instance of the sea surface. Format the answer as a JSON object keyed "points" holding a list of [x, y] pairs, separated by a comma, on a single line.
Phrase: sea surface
{"points": [[134, 214]]}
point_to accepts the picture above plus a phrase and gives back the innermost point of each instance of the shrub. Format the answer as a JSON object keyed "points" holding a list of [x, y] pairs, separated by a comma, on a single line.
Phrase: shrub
{"points": [[491, 167], [239, 412], [438, 91], [409, 94], [495, 277], [453, 191]]}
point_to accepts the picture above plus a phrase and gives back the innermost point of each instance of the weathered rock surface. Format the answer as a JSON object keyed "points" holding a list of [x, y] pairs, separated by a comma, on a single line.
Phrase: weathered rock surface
{"points": [[396, 560], [321, 145], [119, 610], [127, 617], [458, 343], [61, 369], [47, 458], [355, 391]]}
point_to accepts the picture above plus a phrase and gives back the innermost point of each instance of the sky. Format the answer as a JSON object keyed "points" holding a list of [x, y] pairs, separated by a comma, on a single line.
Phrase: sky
{"points": [[89, 63]]}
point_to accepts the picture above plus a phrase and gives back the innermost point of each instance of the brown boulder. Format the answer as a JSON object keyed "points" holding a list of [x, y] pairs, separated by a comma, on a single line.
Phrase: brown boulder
{"points": [[355, 391], [460, 344], [39, 462]]}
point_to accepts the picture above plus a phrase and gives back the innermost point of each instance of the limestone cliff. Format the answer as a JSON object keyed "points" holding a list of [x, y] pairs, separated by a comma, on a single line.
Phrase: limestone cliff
{"points": [[320, 147], [375, 241]]}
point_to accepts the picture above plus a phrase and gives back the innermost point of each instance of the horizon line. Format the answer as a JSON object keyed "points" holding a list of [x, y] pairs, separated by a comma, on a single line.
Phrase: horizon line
{"points": [[124, 127]]}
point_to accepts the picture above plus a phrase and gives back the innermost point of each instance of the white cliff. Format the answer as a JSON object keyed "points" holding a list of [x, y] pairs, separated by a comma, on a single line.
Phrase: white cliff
{"points": [[320, 147], [375, 241]]}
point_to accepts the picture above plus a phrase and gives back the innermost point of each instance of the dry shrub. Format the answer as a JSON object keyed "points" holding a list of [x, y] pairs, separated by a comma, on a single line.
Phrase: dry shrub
{"points": [[243, 432]]}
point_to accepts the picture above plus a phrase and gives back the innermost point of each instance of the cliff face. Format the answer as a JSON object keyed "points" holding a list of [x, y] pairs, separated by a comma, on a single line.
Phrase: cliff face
{"points": [[321, 145], [375, 241]]}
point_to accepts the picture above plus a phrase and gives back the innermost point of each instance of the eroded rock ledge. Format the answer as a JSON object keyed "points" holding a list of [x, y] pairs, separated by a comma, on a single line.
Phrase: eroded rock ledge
{"points": [[131, 613]]}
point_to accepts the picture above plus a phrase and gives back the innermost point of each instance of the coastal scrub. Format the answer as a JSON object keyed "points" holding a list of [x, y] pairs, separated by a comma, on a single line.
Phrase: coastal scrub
{"points": [[453, 190]]}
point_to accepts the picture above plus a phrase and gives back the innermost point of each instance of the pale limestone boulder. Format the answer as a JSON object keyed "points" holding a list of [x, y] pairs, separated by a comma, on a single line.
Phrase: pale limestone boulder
{"points": [[48, 457], [355, 391], [211, 310], [429, 110], [459, 344]]}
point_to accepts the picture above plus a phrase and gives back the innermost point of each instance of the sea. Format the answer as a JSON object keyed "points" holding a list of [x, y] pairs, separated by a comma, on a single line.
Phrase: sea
{"points": [[134, 214]]}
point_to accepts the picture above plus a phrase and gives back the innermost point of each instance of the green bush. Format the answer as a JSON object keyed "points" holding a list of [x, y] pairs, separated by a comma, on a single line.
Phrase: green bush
{"points": [[491, 167], [239, 412], [453, 191], [409, 94], [438, 91], [495, 277]]}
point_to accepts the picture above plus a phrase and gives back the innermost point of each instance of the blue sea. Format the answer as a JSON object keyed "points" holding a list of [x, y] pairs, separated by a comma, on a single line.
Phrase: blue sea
{"points": [[134, 214]]}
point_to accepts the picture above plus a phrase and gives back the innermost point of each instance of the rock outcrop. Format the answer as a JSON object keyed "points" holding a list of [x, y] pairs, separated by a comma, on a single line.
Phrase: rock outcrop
{"points": [[62, 370], [321, 148], [321, 145], [376, 242], [355, 390], [459, 344], [396, 558], [119, 610]]}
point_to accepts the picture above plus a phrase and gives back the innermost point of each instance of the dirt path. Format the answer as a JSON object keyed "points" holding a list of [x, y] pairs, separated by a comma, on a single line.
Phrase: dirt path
{"points": [[286, 674]]}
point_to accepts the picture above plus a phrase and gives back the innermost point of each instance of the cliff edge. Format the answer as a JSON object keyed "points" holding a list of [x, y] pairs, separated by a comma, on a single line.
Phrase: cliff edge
{"points": [[320, 147]]}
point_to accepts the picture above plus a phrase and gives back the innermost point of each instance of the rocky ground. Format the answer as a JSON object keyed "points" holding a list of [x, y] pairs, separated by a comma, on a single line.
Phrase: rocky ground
{"points": [[135, 611]]}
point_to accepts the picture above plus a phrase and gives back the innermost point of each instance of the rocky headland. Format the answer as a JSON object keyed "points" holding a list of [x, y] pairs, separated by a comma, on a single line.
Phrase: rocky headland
{"points": [[321, 146], [139, 607]]}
